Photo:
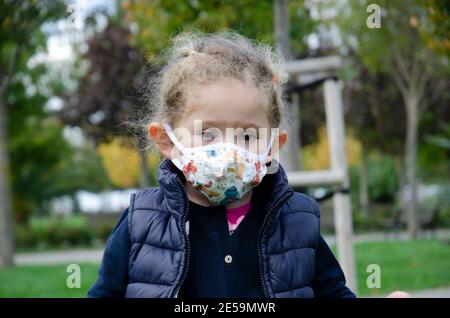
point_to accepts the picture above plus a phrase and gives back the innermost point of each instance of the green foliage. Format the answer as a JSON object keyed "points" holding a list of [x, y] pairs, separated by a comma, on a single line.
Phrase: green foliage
{"points": [[433, 162], [20, 23], [82, 170], [104, 231], [401, 31], [382, 179], [434, 146], [380, 59], [158, 21], [437, 33], [43, 164], [51, 232], [60, 232], [37, 153]]}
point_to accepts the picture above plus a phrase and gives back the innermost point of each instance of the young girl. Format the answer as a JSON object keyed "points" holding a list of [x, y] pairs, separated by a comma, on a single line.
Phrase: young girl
{"points": [[224, 221]]}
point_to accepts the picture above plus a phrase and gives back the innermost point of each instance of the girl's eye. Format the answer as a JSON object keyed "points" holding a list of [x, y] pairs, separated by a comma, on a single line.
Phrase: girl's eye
{"points": [[248, 137], [209, 135]]}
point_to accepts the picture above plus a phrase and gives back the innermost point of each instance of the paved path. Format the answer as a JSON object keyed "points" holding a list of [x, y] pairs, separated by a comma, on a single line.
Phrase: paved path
{"points": [[95, 255], [443, 234], [59, 257], [443, 292], [440, 292]]}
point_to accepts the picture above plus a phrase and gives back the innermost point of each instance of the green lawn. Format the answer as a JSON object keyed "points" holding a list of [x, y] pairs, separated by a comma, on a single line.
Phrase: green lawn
{"points": [[408, 265], [404, 265], [44, 281]]}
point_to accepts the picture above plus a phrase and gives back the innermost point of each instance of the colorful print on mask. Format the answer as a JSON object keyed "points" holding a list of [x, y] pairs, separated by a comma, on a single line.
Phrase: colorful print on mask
{"points": [[222, 172]]}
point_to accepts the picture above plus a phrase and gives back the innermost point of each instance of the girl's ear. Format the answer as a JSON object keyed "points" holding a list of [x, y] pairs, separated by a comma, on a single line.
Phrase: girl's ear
{"points": [[278, 143], [159, 137]]}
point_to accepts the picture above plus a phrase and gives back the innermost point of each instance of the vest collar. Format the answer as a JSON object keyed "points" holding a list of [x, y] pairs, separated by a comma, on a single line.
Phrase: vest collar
{"points": [[171, 181]]}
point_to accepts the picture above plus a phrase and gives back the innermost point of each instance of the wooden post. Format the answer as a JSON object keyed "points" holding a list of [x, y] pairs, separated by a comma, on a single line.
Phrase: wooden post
{"points": [[290, 153], [342, 204], [305, 72]]}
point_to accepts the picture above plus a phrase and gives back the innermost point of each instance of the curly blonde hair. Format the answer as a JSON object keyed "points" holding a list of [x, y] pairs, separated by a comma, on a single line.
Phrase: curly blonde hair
{"points": [[196, 58]]}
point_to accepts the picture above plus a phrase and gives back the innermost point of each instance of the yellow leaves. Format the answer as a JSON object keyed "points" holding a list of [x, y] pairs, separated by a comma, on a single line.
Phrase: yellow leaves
{"points": [[446, 44], [153, 160], [317, 157], [121, 162]]}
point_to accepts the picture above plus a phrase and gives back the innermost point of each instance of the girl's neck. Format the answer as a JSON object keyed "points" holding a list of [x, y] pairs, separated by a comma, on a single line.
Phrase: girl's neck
{"points": [[197, 197]]}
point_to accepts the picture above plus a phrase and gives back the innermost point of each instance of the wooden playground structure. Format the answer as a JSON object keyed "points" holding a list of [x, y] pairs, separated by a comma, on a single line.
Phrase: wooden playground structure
{"points": [[323, 71]]}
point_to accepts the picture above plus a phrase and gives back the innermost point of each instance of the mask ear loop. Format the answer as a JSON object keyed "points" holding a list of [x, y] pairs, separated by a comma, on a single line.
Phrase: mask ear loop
{"points": [[269, 146], [177, 144], [174, 139]]}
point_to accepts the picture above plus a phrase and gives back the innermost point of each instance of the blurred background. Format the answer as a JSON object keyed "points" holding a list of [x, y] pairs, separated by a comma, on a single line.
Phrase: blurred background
{"points": [[73, 73]]}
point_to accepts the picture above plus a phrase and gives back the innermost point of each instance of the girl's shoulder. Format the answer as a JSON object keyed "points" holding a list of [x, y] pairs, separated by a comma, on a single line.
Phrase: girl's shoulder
{"points": [[301, 203], [145, 198]]}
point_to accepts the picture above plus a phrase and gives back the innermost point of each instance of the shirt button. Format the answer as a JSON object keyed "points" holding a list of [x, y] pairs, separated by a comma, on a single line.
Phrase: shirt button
{"points": [[228, 259]]}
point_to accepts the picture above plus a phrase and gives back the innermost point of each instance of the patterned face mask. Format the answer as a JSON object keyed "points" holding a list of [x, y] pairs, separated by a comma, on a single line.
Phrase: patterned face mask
{"points": [[222, 172]]}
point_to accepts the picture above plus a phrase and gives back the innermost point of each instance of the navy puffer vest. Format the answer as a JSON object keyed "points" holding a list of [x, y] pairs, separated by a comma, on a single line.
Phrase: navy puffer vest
{"points": [[159, 257]]}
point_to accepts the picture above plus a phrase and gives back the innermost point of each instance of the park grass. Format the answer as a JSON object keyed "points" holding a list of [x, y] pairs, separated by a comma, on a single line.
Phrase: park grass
{"points": [[45, 281], [406, 265]]}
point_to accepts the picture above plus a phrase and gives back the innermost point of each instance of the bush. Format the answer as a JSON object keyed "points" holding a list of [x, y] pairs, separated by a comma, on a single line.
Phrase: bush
{"points": [[382, 179], [54, 232], [104, 231]]}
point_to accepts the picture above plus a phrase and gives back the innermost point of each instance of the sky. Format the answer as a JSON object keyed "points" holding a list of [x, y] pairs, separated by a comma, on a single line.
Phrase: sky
{"points": [[70, 30], [63, 36]]}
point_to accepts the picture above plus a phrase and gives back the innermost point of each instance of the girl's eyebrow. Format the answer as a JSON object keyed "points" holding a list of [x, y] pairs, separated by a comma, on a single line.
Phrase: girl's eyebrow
{"points": [[238, 124]]}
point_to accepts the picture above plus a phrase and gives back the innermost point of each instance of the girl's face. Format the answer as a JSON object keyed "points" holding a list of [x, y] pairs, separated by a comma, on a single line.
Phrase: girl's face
{"points": [[221, 105], [224, 104], [228, 110]]}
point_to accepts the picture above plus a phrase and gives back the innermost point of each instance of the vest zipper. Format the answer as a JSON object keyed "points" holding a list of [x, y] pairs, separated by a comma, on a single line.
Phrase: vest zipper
{"points": [[260, 236], [186, 239], [261, 233]]}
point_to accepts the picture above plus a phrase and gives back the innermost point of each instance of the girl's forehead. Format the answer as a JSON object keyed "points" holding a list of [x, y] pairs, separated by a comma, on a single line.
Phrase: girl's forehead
{"points": [[226, 103]]}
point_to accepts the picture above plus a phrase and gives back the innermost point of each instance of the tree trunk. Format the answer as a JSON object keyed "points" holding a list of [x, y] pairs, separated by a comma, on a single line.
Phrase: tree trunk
{"points": [[144, 180], [281, 22], [412, 107], [401, 181], [363, 185], [6, 234], [290, 153]]}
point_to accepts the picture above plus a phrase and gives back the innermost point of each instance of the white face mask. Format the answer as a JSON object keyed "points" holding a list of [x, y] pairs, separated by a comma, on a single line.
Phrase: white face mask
{"points": [[222, 172]]}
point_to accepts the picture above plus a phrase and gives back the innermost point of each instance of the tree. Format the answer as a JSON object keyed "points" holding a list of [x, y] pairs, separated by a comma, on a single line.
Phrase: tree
{"points": [[20, 35], [398, 49], [369, 99], [109, 93], [157, 22]]}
